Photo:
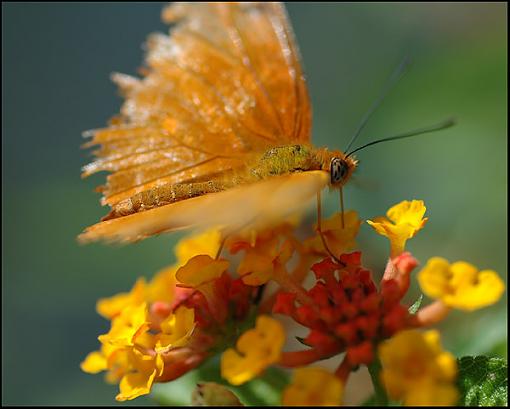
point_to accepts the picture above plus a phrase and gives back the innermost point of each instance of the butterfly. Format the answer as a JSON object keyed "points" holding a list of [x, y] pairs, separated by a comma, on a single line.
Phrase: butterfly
{"points": [[216, 133]]}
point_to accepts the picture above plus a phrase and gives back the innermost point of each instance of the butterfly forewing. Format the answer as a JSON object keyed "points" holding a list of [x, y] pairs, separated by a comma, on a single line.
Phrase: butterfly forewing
{"points": [[225, 84]]}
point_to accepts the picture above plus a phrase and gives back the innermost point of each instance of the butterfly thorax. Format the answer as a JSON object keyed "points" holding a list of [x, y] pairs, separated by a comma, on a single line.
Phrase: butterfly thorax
{"points": [[277, 161], [286, 159]]}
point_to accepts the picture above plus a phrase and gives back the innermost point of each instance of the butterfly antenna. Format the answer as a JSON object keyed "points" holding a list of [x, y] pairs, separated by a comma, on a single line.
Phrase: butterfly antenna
{"points": [[433, 128], [394, 78]]}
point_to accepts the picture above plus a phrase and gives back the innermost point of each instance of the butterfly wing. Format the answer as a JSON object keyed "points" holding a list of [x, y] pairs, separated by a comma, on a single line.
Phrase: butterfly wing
{"points": [[226, 83], [257, 205]]}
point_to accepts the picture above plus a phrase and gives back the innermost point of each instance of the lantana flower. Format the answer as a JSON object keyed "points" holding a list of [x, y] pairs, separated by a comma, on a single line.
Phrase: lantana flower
{"points": [[155, 335], [417, 370], [347, 312], [460, 285], [190, 311], [404, 220], [255, 350]]}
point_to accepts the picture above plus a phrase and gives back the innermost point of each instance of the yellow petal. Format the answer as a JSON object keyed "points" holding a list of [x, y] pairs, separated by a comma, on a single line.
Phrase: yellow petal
{"points": [[113, 306], [406, 219], [486, 291], [176, 329], [408, 212], [201, 269], [339, 238], [130, 324], [259, 347], [434, 277], [135, 384], [432, 394], [162, 285], [234, 368], [416, 369], [255, 268], [460, 285], [206, 243], [312, 386], [94, 362]]}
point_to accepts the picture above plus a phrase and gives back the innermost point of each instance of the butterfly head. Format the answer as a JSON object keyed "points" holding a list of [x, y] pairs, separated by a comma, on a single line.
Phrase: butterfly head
{"points": [[341, 169]]}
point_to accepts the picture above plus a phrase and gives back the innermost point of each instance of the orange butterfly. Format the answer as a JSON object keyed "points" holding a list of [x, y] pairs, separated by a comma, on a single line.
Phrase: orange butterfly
{"points": [[217, 133]]}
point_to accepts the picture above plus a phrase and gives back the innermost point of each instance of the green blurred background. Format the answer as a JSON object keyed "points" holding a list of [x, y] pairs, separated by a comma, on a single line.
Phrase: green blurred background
{"points": [[56, 64]]}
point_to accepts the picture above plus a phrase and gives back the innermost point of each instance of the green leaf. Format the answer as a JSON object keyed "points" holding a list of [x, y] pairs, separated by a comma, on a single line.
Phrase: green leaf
{"points": [[483, 381], [416, 305], [499, 350]]}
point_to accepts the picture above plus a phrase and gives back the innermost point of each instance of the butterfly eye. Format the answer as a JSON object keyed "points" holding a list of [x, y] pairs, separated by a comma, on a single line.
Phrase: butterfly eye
{"points": [[338, 171]]}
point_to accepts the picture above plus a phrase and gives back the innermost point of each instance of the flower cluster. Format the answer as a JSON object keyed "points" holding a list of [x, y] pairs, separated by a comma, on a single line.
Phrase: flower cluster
{"points": [[206, 305], [161, 330], [347, 312]]}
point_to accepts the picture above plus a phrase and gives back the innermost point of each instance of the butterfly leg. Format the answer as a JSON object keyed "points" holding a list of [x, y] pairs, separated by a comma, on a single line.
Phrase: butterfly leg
{"points": [[220, 248], [342, 207], [319, 230]]}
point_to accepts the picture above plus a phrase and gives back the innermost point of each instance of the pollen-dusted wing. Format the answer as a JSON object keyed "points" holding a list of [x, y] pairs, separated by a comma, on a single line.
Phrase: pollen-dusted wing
{"points": [[225, 86]]}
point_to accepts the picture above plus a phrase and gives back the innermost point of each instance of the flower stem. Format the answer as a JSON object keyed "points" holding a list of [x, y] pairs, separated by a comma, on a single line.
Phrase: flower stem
{"points": [[344, 370], [299, 358], [381, 398], [431, 314]]}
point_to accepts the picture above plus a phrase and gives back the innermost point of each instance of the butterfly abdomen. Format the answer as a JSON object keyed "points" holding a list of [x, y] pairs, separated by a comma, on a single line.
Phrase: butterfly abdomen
{"points": [[163, 195]]}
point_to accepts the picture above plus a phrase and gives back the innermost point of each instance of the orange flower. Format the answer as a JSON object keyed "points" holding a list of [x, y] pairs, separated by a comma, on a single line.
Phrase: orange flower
{"points": [[269, 250], [339, 239]]}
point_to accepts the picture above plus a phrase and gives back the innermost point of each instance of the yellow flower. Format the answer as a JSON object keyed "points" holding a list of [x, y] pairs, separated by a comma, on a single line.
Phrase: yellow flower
{"points": [[404, 221], [113, 306], [132, 366], [313, 386], [129, 352], [143, 369], [417, 370], [126, 327], [257, 348], [337, 238], [207, 243], [460, 285], [176, 329]]}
